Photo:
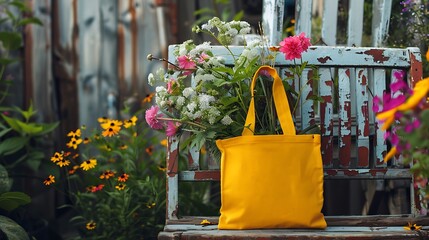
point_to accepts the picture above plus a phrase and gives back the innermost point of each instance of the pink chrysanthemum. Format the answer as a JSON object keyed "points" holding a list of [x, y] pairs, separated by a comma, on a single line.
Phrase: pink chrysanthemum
{"points": [[152, 118], [171, 128], [305, 41], [291, 47]]}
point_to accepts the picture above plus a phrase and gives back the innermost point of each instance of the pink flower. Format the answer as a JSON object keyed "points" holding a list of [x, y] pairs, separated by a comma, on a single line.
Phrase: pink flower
{"points": [[171, 86], [203, 57], [291, 47], [152, 118], [171, 128], [186, 63], [305, 42]]}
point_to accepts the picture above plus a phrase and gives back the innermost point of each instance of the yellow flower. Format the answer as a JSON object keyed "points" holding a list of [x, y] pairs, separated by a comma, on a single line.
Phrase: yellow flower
{"points": [[63, 162], [88, 164], [107, 174], [74, 142], [102, 119], [419, 92], [161, 168], [120, 186], [57, 157], [412, 227], [49, 180], [123, 147], [164, 142], [205, 222], [130, 122], [110, 124], [86, 140], [74, 134], [150, 205], [91, 225], [148, 98], [390, 154], [123, 177]]}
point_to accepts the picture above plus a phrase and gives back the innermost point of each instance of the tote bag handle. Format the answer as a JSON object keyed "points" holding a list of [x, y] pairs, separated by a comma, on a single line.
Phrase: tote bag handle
{"points": [[280, 101]]}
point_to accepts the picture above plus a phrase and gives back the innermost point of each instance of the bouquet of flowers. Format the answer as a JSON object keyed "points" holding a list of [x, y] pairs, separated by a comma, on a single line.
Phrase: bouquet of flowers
{"points": [[214, 105]]}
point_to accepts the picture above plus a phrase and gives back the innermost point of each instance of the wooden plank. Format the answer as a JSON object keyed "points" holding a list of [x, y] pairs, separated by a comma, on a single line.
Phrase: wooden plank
{"points": [[89, 52], [330, 16], [307, 105], [357, 221], [344, 113], [381, 11], [336, 56], [329, 173], [172, 192], [272, 20], [355, 23], [65, 62], [303, 17], [362, 116], [391, 233], [326, 112], [379, 87]]}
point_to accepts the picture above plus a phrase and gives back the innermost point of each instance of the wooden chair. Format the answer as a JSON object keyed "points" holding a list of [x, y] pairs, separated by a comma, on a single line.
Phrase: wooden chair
{"points": [[352, 143], [352, 148]]}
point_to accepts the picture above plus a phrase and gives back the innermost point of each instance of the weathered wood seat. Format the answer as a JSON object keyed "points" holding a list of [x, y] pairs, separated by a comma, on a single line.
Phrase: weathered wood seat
{"points": [[352, 143]]}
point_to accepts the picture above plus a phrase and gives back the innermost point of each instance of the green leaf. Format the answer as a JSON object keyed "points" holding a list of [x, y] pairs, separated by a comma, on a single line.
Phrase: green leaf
{"points": [[238, 16], [30, 128], [7, 61], [11, 40], [31, 20], [27, 114], [12, 230], [5, 131], [20, 5], [12, 145], [47, 128], [12, 122], [12, 200]]}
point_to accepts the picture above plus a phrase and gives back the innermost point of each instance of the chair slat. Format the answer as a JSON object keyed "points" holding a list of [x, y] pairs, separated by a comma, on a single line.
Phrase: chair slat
{"points": [[344, 114], [303, 16], [379, 86], [307, 111], [381, 10], [330, 16], [362, 117], [326, 111], [355, 23]]}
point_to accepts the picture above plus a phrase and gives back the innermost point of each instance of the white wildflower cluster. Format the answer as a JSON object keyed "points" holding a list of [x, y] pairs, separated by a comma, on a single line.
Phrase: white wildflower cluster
{"points": [[158, 77], [226, 31], [250, 52]]}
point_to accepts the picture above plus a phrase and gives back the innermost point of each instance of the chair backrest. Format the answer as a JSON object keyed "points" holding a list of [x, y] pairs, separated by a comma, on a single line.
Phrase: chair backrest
{"points": [[274, 10], [352, 144]]}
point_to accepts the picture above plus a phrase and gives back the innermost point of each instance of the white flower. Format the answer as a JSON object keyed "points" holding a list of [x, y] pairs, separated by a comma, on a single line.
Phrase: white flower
{"points": [[205, 100], [188, 92], [213, 114], [204, 77], [206, 27], [179, 102], [226, 120], [191, 106], [151, 79]]}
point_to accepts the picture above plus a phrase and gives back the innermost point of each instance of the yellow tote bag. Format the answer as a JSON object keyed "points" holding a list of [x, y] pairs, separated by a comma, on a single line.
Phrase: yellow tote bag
{"points": [[271, 181]]}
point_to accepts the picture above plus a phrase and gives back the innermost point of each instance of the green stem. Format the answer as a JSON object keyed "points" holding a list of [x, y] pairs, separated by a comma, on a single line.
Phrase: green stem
{"points": [[180, 121]]}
